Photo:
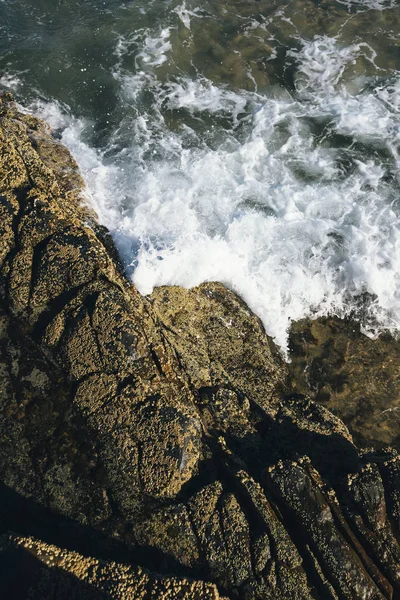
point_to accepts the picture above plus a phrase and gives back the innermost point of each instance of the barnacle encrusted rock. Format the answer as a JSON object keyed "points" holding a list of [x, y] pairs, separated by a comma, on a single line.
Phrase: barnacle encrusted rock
{"points": [[39, 570], [220, 342], [165, 434]]}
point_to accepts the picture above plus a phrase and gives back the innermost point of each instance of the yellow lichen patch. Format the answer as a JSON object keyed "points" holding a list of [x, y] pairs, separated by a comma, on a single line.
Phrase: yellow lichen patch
{"points": [[220, 342], [13, 173]]}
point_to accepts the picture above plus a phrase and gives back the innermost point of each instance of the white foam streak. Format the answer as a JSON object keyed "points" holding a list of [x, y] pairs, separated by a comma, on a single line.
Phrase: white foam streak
{"points": [[201, 95], [187, 15], [368, 4], [10, 81], [155, 49]]}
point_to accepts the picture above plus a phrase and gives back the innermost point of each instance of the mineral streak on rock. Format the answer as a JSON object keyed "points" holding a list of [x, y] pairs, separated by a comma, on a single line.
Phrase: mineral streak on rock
{"points": [[169, 426]]}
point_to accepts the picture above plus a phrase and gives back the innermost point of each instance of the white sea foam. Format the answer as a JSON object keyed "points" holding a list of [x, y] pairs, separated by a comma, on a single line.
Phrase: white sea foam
{"points": [[155, 49], [369, 4], [10, 81], [294, 222], [186, 15]]}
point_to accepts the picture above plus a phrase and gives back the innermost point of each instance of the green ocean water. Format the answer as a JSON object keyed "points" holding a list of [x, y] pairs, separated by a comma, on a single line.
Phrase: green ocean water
{"points": [[66, 50]]}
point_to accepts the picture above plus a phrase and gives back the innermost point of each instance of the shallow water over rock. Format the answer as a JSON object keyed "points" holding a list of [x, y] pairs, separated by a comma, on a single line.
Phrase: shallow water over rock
{"points": [[357, 378]]}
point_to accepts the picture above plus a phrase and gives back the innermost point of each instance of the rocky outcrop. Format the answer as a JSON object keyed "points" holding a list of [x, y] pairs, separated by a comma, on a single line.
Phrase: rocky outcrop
{"points": [[162, 434]]}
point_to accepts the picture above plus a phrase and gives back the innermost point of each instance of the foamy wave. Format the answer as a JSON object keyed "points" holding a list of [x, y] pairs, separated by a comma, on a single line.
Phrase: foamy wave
{"points": [[10, 81], [186, 15], [291, 202]]}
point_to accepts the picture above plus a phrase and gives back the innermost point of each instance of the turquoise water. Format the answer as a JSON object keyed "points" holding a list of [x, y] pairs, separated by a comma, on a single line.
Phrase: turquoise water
{"points": [[256, 143]]}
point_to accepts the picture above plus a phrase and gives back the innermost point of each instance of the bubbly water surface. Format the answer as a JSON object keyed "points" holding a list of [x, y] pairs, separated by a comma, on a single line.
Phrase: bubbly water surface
{"points": [[253, 143]]}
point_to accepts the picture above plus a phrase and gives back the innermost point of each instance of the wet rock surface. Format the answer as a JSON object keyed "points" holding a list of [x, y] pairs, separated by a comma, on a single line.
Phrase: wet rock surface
{"points": [[354, 376], [165, 434]]}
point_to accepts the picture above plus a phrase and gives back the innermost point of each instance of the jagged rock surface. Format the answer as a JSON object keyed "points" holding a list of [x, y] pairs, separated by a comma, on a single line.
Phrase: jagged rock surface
{"points": [[167, 425], [38, 570]]}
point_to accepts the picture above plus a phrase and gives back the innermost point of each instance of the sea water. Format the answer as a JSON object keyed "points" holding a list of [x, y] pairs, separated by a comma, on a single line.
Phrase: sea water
{"points": [[255, 143]]}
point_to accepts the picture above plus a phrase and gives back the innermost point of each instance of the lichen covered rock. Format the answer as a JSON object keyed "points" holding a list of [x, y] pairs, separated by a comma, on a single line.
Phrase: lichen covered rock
{"points": [[38, 570]]}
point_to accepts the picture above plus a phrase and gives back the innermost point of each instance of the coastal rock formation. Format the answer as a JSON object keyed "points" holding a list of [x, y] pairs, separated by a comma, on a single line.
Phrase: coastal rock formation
{"points": [[162, 434]]}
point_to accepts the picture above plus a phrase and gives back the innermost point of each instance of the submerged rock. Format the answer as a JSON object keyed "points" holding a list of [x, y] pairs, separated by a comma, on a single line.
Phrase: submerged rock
{"points": [[162, 434], [354, 376]]}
